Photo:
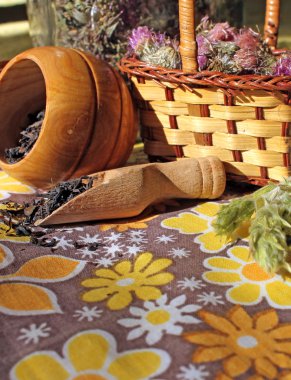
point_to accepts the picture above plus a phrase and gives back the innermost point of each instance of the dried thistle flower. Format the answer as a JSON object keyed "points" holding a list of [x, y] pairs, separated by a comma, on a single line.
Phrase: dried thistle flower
{"points": [[222, 32], [154, 48], [165, 56], [246, 59], [247, 38], [283, 65], [204, 51], [229, 50]]}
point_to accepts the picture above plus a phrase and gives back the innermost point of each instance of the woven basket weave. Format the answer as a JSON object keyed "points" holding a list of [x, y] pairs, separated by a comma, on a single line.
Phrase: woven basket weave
{"points": [[242, 119]]}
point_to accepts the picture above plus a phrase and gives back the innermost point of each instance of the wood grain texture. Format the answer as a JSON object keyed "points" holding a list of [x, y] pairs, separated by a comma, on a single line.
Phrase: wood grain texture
{"points": [[58, 80], [272, 22], [187, 35], [126, 192], [89, 122]]}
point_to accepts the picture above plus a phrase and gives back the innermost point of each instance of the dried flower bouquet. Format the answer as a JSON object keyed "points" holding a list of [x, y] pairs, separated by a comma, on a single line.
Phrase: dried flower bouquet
{"points": [[220, 48]]}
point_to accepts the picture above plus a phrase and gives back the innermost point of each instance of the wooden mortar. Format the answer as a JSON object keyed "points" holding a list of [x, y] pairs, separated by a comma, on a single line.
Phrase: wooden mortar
{"points": [[87, 109]]}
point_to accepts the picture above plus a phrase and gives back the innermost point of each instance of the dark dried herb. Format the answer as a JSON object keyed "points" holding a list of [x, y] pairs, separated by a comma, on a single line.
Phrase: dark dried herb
{"points": [[59, 195], [18, 219], [28, 138], [13, 219], [91, 246]]}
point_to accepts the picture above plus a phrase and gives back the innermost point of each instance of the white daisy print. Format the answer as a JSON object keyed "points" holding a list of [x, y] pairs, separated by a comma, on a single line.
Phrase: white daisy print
{"points": [[113, 249], [133, 250], [179, 253], [159, 318], [88, 313], [89, 239], [190, 283], [137, 239], [105, 262], [192, 372], [63, 243], [33, 333], [210, 299], [87, 253], [165, 239], [137, 233], [113, 237]]}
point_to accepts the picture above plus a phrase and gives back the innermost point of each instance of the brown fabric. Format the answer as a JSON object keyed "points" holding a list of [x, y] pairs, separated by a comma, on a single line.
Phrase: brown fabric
{"points": [[192, 306]]}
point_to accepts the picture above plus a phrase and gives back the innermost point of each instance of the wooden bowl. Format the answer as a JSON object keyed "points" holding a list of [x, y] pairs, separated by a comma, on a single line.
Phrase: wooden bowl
{"points": [[84, 115]]}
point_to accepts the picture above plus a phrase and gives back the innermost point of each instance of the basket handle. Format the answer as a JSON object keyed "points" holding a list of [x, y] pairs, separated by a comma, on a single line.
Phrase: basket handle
{"points": [[188, 47], [272, 22]]}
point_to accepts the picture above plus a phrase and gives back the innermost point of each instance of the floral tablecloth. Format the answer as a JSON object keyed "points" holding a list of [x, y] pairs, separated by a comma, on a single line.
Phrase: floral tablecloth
{"points": [[159, 297]]}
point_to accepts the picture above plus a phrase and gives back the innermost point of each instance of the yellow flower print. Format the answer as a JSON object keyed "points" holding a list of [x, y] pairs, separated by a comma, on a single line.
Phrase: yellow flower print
{"points": [[199, 222], [10, 185], [126, 225], [92, 355], [141, 277], [243, 342], [11, 236], [20, 296], [6, 256], [249, 283]]}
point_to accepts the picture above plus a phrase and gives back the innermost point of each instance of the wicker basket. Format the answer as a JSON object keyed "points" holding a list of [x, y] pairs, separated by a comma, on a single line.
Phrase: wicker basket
{"points": [[244, 120]]}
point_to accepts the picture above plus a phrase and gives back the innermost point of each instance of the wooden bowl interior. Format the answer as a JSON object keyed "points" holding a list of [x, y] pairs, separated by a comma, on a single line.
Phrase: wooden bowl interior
{"points": [[22, 92]]}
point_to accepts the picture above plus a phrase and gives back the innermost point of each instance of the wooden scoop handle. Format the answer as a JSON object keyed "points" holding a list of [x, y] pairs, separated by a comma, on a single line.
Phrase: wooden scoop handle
{"points": [[126, 192]]}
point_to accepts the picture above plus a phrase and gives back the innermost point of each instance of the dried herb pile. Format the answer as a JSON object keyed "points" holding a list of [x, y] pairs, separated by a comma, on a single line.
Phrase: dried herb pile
{"points": [[28, 138], [221, 47], [102, 26], [231, 50], [154, 48], [18, 219]]}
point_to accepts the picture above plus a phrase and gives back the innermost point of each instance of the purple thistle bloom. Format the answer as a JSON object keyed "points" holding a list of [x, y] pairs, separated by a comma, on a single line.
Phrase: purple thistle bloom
{"points": [[222, 32], [138, 36], [204, 49], [247, 39], [283, 66]]}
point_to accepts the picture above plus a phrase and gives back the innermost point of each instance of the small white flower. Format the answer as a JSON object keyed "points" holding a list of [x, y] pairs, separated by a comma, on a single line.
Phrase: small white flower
{"points": [[113, 237], [166, 239], [132, 250], [137, 240], [210, 298], [137, 233], [179, 253], [63, 243], [112, 249], [159, 318], [190, 283], [105, 262], [86, 253], [192, 373], [87, 313], [33, 333], [89, 239]]}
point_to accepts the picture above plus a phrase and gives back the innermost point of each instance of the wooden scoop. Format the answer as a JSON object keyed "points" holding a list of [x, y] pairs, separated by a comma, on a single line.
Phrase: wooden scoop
{"points": [[126, 192]]}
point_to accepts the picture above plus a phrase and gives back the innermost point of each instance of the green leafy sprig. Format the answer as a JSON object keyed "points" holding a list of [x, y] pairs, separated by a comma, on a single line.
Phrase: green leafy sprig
{"points": [[269, 211]]}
